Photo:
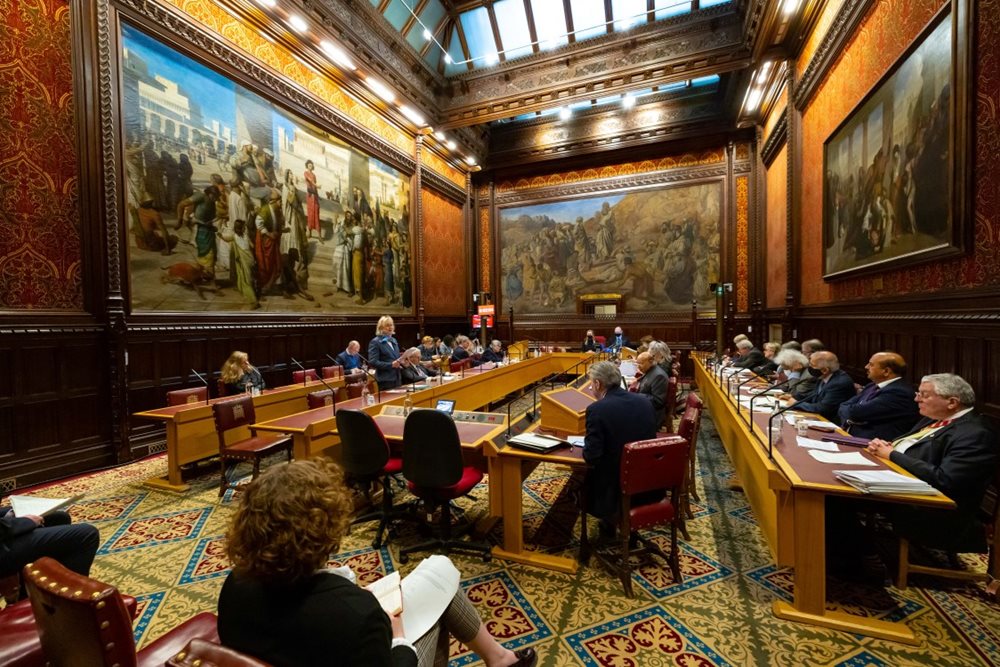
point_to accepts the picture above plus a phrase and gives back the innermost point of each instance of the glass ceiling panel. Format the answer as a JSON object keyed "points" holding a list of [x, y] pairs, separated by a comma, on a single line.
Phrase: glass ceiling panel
{"points": [[588, 18], [628, 13], [455, 51], [712, 3], [513, 25], [479, 37], [550, 23], [430, 17], [396, 14], [668, 8]]}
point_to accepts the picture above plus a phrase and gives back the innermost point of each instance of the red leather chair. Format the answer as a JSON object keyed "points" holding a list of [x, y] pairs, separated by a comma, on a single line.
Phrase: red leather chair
{"points": [[457, 366], [602, 340], [200, 653], [332, 372], [689, 429], [220, 387], [670, 405], [82, 621], [648, 465], [234, 414], [192, 395], [299, 377], [365, 457], [318, 399], [435, 473]]}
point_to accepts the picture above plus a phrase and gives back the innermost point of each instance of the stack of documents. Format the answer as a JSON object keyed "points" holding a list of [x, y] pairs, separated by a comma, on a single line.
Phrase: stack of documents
{"points": [[536, 442], [884, 481]]}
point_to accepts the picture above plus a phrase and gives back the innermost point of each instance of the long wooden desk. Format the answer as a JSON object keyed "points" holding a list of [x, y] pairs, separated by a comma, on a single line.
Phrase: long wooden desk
{"points": [[795, 517], [191, 427]]}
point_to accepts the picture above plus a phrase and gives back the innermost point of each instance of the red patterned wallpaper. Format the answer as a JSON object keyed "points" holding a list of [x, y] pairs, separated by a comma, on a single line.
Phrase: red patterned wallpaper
{"points": [[39, 219], [776, 234], [879, 42], [444, 257]]}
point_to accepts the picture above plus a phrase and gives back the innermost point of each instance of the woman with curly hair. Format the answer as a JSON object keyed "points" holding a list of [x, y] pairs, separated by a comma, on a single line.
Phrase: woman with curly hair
{"points": [[238, 374], [281, 605]]}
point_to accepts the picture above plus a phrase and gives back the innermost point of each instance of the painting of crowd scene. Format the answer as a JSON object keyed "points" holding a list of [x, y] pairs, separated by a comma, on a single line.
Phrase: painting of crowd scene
{"points": [[887, 182], [659, 248], [234, 204]]}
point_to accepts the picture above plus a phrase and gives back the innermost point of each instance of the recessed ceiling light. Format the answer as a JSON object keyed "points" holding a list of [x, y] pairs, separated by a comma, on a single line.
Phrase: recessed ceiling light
{"points": [[380, 89], [565, 113], [628, 100], [440, 136], [298, 22], [427, 34], [450, 144], [337, 54], [413, 115]]}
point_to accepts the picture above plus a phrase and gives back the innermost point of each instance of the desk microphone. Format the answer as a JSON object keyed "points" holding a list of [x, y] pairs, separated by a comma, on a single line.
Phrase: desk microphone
{"points": [[333, 392], [764, 393], [368, 373], [204, 382], [770, 422], [740, 386]]}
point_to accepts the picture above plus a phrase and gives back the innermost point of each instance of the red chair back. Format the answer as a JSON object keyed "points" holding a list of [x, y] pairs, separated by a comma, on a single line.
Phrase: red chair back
{"points": [[457, 366], [670, 403], [650, 465], [220, 387], [318, 399], [601, 339], [332, 372], [693, 401], [233, 414], [191, 395], [354, 390], [298, 377]]}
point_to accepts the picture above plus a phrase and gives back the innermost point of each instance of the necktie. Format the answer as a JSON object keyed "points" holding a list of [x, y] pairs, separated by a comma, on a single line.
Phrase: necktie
{"points": [[869, 392], [940, 423]]}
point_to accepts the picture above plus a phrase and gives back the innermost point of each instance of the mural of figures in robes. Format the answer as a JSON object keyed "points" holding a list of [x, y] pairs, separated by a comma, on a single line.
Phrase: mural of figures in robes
{"points": [[658, 247], [234, 204]]}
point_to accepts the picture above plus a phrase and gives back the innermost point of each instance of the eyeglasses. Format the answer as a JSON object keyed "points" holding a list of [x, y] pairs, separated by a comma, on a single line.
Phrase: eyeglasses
{"points": [[924, 394]]}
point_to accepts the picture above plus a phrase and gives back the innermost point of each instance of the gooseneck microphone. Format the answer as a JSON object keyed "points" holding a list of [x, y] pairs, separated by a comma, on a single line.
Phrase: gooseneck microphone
{"points": [[204, 382], [333, 392]]}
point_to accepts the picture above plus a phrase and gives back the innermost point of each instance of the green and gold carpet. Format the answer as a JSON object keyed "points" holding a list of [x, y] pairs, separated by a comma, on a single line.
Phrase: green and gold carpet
{"points": [[167, 550]]}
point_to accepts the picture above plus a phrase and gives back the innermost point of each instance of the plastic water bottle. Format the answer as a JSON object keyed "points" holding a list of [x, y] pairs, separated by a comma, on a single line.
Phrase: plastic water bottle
{"points": [[408, 403], [366, 395], [776, 424]]}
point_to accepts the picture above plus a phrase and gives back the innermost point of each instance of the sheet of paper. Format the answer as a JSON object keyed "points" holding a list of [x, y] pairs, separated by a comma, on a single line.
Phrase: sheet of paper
{"points": [[576, 440], [816, 444], [842, 458], [427, 592], [820, 424], [388, 593], [36, 506]]}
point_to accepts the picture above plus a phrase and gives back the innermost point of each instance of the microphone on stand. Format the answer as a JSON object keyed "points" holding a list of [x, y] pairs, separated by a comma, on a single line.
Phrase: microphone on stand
{"points": [[204, 382], [764, 393], [378, 387], [333, 392], [305, 373]]}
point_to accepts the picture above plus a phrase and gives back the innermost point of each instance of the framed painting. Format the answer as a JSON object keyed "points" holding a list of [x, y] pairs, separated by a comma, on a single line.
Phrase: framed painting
{"points": [[233, 203], [895, 177], [656, 247]]}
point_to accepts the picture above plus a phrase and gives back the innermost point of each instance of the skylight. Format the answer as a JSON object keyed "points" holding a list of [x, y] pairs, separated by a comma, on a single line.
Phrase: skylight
{"points": [[513, 25]]}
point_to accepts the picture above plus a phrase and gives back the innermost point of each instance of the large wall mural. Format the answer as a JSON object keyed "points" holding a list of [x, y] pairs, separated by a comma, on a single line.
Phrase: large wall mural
{"points": [[235, 204], [659, 248]]}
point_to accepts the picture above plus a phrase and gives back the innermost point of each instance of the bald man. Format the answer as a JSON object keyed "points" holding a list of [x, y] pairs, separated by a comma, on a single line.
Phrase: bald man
{"points": [[653, 384], [885, 407]]}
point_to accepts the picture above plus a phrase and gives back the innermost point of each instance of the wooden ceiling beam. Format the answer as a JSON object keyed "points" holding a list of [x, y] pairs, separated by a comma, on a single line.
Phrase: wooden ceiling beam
{"points": [[609, 16], [570, 30], [465, 45], [382, 6], [496, 32], [531, 26]]}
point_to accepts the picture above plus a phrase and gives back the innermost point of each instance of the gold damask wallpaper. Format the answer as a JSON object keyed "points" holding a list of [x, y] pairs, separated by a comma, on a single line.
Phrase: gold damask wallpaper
{"points": [[444, 273]]}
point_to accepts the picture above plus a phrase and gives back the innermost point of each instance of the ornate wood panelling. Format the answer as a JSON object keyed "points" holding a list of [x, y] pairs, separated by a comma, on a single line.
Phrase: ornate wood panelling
{"points": [[774, 256], [40, 253], [742, 213]]}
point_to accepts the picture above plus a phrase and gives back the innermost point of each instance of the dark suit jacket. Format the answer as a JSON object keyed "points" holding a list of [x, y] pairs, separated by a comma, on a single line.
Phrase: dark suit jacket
{"points": [[348, 361], [325, 620], [802, 386], [751, 359], [887, 414], [619, 418], [653, 385], [959, 460], [416, 374], [766, 368], [489, 356], [612, 342], [826, 397], [382, 351], [459, 354]]}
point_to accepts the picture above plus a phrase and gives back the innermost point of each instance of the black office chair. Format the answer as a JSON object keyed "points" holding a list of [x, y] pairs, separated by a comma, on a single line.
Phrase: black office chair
{"points": [[434, 471], [365, 457]]}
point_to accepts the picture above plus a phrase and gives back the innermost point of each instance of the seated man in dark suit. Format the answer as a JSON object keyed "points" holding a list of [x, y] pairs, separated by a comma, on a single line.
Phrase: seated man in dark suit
{"points": [[616, 418], [954, 450], [349, 359], [26, 538], [833, 387], [412, 371], [462, 349], [885, 407], [768, 366], [750, 356], [653, 384], [617, 341]]}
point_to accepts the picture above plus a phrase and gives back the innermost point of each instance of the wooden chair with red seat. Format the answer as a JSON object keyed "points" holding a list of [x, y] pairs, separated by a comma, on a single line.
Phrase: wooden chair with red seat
{"points": [[82, 621], [191, 395], [366, 458], [334, 372], [220, 388], [670, 405], [689, 428], [435, 473], [990, 510], [200, 653], [601, 340], [299, 377], [237, 413], [648, 466], [457, 366]]}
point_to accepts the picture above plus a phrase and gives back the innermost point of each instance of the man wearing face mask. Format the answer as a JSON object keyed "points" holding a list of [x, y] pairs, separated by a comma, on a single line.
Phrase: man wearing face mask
{"points": [[618, 340], [833, 387], [616, 418]]}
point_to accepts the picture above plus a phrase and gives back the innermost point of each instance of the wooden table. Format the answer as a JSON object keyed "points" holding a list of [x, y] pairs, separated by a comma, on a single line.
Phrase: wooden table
{"points": [[797, 519], [191, 432]]}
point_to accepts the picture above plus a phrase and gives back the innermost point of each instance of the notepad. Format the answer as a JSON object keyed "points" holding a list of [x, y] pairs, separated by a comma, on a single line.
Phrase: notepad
{"points": [[816, 444], [35, 506], [388, 593], [843, 458], [536, 442]]}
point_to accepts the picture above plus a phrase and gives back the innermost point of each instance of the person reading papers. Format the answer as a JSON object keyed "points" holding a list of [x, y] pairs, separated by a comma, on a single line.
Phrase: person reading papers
{"points": [[282, 605], [32, 536]]}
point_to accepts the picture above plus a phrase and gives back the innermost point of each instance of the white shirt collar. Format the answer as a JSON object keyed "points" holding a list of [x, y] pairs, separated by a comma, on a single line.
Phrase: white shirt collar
{"points": [[886, 383]]}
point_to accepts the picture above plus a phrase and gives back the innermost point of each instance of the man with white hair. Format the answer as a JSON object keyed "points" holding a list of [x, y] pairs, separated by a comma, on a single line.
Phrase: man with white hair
{"points": [[493, 354], [750, 356], [833, 387]]}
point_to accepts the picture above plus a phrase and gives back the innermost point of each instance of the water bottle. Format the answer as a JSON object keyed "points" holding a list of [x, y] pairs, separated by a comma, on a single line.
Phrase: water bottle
{"points": [[408, 403], [366, 395], [776, 423]]}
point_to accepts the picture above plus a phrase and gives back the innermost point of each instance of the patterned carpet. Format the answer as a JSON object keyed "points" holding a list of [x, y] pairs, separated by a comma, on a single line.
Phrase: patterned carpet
{"points": [[167, 550]]}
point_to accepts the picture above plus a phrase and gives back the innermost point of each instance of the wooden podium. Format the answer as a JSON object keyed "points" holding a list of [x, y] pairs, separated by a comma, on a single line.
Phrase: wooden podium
{"points": [[565, 410]]}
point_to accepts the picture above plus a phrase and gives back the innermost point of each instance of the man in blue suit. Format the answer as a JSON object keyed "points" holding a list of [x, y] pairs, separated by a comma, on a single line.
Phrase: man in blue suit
{"points": [[833, 386], [616, 418], [383, 354], [885, 407]]}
